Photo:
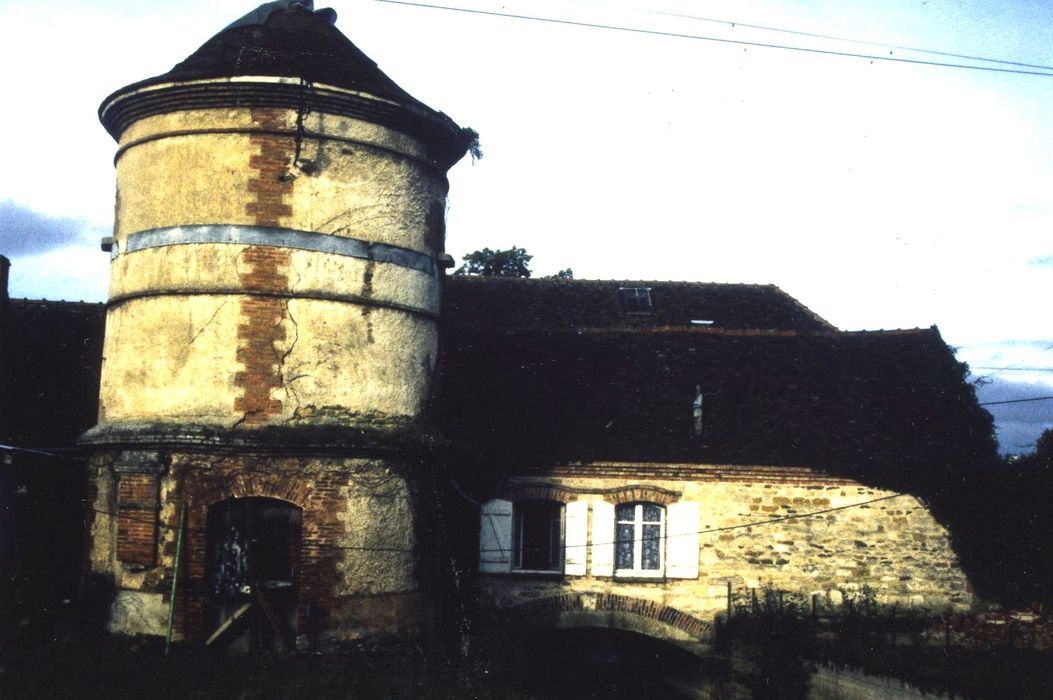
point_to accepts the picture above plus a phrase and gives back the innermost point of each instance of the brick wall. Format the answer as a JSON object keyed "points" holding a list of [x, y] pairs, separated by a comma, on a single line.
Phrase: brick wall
{"points": [[357, 544], [265, 270], [137, 506]]}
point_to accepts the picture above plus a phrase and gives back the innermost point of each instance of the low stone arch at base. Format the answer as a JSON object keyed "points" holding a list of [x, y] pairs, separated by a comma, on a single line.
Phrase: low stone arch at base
{"points": [[611, 610]]}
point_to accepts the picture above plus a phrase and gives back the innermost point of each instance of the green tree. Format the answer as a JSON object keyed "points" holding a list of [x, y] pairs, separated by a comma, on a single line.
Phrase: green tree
{"points": [[1044, 447], [514, 262]]}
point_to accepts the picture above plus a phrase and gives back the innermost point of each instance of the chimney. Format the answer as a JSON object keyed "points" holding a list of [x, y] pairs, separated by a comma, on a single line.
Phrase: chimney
{"points": [[5, 269]]}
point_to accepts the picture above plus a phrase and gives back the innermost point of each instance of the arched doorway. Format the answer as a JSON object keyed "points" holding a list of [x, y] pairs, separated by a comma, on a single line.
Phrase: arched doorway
{"points": [[253, 550], [605, 663]]}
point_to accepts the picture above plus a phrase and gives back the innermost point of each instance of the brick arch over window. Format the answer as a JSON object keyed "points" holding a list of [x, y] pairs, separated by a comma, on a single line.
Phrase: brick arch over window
{"points": [[542, 609], [638, 493], [539, 492], [633, 493]]}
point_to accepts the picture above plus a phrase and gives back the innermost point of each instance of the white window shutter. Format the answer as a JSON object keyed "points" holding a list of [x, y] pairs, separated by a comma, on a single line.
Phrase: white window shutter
{"points": [[495, 537], [681, 548], [576, 537], [602, 538]]}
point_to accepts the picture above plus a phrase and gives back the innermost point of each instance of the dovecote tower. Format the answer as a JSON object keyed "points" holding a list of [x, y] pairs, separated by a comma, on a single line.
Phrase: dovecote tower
{"points": [[271, 337]]}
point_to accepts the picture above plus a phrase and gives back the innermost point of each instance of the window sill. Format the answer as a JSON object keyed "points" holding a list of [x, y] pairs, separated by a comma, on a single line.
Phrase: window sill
{"points": [[639, 577], [536, 573]]}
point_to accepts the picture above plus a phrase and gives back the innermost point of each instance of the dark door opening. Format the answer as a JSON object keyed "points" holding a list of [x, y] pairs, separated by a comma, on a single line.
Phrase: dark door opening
{"points": [[253, 562], [602, 664]]}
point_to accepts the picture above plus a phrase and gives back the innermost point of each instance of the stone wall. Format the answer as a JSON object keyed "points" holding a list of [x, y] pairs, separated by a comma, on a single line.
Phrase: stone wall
{"points": [[357, 555], [789, 529]]}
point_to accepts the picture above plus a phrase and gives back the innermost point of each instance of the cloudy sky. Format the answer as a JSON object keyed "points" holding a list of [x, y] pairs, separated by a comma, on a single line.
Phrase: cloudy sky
{"points": [[881, 193]]}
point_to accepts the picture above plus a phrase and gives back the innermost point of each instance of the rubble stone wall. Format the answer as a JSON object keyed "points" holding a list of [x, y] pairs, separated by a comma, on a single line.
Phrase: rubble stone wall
{"points": [[793, 530]]}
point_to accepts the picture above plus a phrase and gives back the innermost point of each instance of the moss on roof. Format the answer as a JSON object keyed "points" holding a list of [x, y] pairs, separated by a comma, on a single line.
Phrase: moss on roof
{"points": [[549, 304]]}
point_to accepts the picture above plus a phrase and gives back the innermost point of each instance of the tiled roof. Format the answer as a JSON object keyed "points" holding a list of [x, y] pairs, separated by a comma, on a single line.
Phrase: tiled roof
{"points": [[510, 303], [286, 40], [295, 42], [886, 404], [51, 357]]}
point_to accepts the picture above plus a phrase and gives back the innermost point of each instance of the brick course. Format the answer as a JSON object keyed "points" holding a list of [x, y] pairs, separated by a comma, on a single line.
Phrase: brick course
{"points": [[546, 607], [265, 270]]}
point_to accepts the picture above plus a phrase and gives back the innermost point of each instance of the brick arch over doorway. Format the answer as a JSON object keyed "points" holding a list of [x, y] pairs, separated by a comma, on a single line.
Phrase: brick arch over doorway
{"points": [[200, 485], [599, 609]]}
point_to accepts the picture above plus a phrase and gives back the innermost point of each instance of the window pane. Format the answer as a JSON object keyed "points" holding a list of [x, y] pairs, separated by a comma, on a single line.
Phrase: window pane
{"points": [[626, 512], [635, 298], [652, 514], [625, 546], [538, 540], [555, 539], [652, 547]]}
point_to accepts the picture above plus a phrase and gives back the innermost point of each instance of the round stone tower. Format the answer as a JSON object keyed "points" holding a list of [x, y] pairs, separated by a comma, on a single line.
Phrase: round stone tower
{"points": [[271, 337]]}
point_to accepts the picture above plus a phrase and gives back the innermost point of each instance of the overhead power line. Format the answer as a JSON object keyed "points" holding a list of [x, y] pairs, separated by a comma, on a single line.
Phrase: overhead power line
{"points": [[739, 526], [699, 37], [1013, 368], [1037, 398], [863, 42], [153, 521]]}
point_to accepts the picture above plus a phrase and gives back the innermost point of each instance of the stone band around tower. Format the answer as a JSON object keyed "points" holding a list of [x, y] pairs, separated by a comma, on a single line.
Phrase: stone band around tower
{"points": [[280, 238]]}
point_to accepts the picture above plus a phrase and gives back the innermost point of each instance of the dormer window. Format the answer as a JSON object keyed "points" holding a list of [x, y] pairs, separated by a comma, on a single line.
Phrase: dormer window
{"points": [[696, 412], [636, 299]]}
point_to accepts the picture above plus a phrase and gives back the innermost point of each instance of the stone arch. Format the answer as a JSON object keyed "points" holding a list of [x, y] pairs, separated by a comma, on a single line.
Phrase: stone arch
{"points": [[611, 610]]}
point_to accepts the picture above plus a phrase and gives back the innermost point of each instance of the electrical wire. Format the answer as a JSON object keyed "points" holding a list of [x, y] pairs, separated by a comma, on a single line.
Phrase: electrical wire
{"points": [[998, 403], [152, 520], [699, 37], [739, 526], [833, 37]]}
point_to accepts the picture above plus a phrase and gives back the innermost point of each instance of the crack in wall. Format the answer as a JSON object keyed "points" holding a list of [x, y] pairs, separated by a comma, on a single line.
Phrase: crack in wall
{"points": [[286, 382], [209, 322]]}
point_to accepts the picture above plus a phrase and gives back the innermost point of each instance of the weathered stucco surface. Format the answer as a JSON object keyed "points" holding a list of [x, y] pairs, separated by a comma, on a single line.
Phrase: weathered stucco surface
{"points": [[839, 538], [374, 186], [175, 358], [218, 268], [135, 612], [223, 334]]}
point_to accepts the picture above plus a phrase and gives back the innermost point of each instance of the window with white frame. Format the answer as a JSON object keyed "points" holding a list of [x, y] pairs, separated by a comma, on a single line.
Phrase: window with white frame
{"points": [[641, 533], [636, 299], [636, 539], [533, 536], [537, 542], [639, 539]]}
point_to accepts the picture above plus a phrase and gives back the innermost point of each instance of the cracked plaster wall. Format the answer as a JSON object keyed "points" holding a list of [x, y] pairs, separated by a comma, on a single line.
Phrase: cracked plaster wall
{"points": [[355, 340], [174, 358]]}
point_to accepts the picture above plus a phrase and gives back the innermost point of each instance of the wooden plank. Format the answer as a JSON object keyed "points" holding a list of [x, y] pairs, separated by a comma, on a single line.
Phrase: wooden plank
{"points": [[238, 614], [283, 632]]}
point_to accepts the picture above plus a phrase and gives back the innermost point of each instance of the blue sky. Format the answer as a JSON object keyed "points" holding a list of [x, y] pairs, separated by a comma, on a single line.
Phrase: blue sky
{"points": [[880, 194]]}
